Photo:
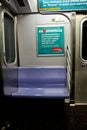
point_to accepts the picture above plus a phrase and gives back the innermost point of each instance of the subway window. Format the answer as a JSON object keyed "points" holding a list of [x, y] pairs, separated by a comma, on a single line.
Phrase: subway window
{"points": [[84, 40], [9, 38]]}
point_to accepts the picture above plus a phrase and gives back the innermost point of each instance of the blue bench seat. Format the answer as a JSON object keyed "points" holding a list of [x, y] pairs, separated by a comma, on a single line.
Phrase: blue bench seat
{"points": [[37, 81]]}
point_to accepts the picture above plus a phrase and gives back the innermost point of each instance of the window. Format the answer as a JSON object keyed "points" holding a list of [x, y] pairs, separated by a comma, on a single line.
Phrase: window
{"points": [[9, 38], [84, 40]]}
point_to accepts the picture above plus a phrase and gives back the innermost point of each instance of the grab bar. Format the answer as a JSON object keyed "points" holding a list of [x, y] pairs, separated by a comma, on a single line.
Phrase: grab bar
{"points": [[68, 66]]}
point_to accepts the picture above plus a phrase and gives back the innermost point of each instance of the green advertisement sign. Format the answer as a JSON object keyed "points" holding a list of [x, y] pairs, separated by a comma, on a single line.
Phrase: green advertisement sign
{"points": [[50, 40], [62, 5]]}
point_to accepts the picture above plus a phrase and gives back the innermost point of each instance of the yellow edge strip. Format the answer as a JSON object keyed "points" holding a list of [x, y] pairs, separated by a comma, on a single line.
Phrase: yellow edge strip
{"points": [[49, 9]]}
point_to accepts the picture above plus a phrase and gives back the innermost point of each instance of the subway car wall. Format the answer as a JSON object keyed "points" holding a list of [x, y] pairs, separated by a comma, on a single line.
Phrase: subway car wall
{"points": [[43, 53]]}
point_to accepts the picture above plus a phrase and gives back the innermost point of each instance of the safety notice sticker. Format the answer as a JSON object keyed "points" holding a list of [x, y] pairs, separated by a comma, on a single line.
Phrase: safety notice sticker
{"points": [[50, 40]]}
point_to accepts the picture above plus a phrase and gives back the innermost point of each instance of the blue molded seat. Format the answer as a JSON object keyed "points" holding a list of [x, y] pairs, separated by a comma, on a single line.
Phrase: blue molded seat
{"points": [[42, 82], [41, 76]]}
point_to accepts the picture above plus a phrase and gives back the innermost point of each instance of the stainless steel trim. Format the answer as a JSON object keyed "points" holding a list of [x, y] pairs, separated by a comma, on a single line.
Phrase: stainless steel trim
{"points": [[4, 58], [68, 64], [80, 103]]}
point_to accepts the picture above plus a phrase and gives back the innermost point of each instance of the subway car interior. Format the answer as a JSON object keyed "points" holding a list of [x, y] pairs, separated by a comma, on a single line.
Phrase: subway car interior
{"points": [[43, 65]]}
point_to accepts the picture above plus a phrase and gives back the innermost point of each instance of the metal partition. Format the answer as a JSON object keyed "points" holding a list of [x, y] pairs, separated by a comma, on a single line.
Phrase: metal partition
{"points": [[45, 64], [28, 38]]}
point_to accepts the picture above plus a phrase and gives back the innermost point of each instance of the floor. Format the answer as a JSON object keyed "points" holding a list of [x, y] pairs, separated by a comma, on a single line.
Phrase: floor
{"points": [[41, 114]]}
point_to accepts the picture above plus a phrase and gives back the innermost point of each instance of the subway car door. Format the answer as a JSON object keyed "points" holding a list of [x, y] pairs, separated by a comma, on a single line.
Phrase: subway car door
{"points": [[8, 52], [81, 60]]}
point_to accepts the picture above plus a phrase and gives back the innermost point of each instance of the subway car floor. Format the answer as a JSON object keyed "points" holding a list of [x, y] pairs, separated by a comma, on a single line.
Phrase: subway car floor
{"points": [[41, 114]]}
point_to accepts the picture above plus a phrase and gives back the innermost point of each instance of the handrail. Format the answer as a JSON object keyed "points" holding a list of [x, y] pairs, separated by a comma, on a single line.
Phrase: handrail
{"points": [[68, 64]]}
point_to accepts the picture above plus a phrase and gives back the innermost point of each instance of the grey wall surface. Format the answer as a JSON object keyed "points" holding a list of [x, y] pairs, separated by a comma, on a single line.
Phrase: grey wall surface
{"points": [[27, 39]]}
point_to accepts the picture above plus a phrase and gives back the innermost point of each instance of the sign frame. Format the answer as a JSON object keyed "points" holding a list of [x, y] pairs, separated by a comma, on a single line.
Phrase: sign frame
{"points": [[50, 26]]}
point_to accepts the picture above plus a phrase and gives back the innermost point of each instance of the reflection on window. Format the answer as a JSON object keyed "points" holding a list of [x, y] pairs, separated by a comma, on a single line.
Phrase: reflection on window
{"points": [[9, 38], [84, 40]]}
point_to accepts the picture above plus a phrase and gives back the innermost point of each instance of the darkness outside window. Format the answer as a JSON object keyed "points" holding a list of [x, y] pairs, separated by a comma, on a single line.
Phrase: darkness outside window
{"points": [[84, 40], [9, 38]]}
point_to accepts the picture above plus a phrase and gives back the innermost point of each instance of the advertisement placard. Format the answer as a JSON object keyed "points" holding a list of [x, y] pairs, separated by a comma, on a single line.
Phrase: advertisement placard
{"points": [[62, 5], [50, 40]]}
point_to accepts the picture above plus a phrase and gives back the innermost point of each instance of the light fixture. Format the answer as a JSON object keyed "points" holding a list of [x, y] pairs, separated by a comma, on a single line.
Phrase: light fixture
{"points": [[0, 4]]}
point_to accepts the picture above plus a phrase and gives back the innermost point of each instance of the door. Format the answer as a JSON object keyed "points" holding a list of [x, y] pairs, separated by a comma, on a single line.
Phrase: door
{"points": [[81, 60], [9, 53]]}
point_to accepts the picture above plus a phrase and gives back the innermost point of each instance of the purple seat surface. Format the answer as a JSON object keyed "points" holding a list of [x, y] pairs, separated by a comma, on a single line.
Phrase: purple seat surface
{"points": [[41, 82]]}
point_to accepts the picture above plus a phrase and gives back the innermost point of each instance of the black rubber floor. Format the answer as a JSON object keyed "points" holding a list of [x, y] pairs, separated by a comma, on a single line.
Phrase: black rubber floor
{"points": [[41, 114]]}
